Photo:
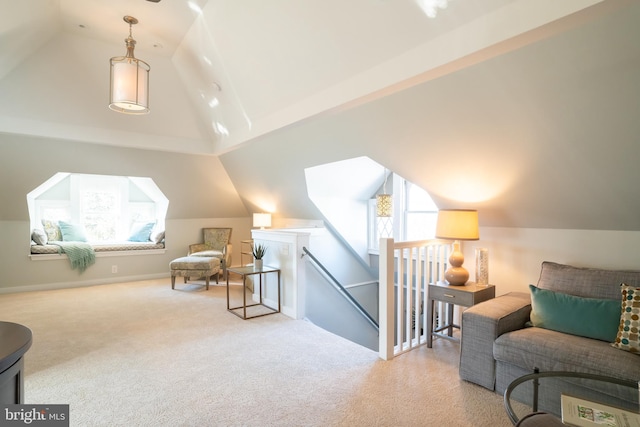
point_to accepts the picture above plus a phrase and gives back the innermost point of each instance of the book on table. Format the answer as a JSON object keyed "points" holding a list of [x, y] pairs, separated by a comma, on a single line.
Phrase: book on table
{"points": [[585, 413]]}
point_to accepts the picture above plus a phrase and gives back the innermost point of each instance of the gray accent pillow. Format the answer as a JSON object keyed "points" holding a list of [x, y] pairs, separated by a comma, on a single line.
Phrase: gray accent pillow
{"points": [[39, 236], [157, 237]]}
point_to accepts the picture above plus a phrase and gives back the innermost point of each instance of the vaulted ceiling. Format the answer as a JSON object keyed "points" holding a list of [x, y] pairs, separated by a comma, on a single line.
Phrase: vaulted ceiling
{"points": [[226, 71]]}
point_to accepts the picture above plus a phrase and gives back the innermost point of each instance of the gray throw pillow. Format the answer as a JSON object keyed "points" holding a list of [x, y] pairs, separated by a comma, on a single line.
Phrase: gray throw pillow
{"points": [[157, 237], [39, 236]]}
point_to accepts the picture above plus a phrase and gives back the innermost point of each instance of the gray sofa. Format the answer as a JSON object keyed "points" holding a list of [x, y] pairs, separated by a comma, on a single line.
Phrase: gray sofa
{"points": [[498, 344]]}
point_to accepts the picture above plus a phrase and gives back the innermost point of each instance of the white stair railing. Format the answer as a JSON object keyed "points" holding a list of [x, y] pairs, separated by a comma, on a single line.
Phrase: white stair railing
{"points": [[406, 269]]}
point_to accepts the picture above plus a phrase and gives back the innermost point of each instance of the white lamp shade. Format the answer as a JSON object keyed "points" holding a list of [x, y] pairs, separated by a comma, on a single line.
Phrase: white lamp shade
{"points": [[129, 85], [262, 220], [457, 224]]}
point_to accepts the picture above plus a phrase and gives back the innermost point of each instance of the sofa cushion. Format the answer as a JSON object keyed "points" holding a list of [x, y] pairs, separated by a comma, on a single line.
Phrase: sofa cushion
{"points": [[209, 253], [587, 317], [101, 247], [556, 351], [628, 331], [585, 282], [195, 263]]}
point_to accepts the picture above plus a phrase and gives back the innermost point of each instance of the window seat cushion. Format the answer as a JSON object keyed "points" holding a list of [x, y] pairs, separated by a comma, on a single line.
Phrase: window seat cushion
{"points": [[100, 247]]}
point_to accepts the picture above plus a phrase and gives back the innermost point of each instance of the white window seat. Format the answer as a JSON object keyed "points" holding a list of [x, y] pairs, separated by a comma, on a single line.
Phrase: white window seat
{"points": [[102, 249]]}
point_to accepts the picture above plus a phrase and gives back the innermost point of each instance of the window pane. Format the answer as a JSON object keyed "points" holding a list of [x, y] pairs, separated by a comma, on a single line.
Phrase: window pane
{"points": [[142, 212], [55, 213], [99, 208], [384, 227], [99, 201], [418, 199], [421, 226], [99, 227]]}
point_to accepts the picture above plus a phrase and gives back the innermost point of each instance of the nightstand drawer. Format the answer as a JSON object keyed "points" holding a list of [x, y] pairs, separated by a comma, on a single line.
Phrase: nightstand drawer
{"points": [[451, 296]]}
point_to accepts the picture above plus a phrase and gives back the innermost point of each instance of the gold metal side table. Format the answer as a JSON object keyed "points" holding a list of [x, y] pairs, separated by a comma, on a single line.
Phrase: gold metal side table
{"points": [[241, 310], [465, 296]]}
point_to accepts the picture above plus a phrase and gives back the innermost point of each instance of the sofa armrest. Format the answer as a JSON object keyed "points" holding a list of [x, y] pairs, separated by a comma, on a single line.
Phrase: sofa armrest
{"points": [[481, 325]]}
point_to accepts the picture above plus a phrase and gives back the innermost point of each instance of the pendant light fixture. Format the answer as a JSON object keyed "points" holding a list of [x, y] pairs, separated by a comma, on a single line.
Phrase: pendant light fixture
{"points": [[129, 88], [384, 201]]}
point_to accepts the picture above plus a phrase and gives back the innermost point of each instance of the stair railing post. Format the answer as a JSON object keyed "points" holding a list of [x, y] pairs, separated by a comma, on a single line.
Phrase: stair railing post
{"points": [[386, 299]]}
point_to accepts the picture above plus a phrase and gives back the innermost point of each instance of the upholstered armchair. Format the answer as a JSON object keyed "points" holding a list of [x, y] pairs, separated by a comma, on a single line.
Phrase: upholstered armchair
{"points": [[216, 244]]}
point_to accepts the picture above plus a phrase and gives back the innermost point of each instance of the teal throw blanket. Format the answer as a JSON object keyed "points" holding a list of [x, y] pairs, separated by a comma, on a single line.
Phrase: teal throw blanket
{"points": [[81, 254]]}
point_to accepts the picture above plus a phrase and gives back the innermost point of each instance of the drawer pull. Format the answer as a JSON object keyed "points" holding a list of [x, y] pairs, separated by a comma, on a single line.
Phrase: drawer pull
{"points": [[449, 296]]}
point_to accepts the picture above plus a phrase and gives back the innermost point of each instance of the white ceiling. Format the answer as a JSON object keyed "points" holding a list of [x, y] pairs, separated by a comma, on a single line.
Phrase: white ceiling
{"points": [[226, 71]]}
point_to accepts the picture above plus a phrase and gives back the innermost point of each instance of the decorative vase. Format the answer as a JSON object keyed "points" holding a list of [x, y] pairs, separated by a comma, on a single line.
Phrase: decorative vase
{"points": [[482, 266], [456, 274], [257, 264]]}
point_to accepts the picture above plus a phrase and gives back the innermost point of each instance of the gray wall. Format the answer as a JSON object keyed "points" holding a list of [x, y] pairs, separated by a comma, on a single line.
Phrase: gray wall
{"points": [[543, 141], [198, 187], [536, 138]]}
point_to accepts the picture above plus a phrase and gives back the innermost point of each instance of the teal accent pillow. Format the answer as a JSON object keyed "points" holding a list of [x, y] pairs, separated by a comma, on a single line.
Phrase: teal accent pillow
{"points": [[141, 232], [71, 232], [586, 317]]}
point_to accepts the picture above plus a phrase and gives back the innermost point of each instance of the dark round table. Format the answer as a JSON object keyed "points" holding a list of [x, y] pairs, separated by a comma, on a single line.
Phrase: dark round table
{"points": [[15, 340]]}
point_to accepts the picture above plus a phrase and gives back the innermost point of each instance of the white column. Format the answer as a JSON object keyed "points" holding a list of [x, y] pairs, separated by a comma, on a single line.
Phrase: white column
{"points": [[285, 252], [386, 288]]}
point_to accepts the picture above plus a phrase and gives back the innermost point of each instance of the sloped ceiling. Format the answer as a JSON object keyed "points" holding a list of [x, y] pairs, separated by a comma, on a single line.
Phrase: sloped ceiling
{"points": [[226, 71], [544, 92], [544, 136]]}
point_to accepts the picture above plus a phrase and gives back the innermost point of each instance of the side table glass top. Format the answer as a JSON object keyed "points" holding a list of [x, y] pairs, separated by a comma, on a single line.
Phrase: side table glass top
{"points": [[249, 269], [542, 391]]}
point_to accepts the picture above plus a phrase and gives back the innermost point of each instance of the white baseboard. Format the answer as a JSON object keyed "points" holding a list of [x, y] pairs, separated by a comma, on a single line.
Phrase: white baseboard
{"points": [[81, 284]]}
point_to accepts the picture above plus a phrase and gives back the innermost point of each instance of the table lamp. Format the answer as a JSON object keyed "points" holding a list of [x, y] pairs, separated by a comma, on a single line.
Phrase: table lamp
{"points": [[262, 220], [456, 225]]}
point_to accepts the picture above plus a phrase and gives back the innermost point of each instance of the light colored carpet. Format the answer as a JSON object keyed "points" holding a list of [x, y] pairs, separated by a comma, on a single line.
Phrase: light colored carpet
{"points": [[141, 354]]}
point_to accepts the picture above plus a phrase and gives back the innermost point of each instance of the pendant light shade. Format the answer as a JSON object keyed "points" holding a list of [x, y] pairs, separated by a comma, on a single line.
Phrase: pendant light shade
{"points": [[384, 201], [129, 88], [384, 205]]}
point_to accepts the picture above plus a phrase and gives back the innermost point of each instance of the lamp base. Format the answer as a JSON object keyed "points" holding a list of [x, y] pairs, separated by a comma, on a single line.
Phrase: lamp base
{"points": [[456, 276]]}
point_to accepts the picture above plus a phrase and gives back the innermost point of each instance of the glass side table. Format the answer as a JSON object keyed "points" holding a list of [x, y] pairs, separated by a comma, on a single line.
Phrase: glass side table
{"points": [[244, 272], [542, 391]]}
